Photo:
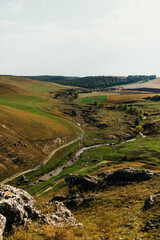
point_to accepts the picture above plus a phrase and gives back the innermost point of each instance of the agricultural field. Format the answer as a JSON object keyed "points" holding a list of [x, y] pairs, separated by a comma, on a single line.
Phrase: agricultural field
{"points": [[97, 100]]}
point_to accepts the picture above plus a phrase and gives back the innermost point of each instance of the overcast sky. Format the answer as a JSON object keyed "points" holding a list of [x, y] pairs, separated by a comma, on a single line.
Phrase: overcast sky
{"points": [[79, 37]]}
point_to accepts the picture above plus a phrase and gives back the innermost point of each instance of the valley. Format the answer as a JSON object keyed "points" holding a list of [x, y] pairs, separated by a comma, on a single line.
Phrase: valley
{"points": [[49, 131]]}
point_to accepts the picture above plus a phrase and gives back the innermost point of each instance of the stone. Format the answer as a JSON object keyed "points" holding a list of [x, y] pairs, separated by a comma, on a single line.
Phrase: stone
{"points": [[2, 225], [62, 216], [81, 183], [121, 177], [17, 206], [151, 201], [74, 201], [126, 176], [23, 179]]}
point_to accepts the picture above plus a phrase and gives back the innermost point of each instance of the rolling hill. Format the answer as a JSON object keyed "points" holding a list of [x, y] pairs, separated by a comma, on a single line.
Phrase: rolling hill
{"points": [[29, 133]]}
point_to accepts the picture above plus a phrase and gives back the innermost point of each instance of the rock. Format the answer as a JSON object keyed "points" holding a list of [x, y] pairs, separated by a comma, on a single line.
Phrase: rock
{"points": [[153, 223], [104, 174], [126, 176], [23, 179], [74, 201], [62, 217], [151, 201], [109, 137], [81, 183], [121, 177], [69, 201], [2, 225], [17, 206]]}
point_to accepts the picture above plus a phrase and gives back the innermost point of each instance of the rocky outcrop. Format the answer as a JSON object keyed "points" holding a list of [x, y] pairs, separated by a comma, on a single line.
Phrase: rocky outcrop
{"points": [[82, 183], [151, 201], [121, 177], [62, 217], [17, 207], [125, 176], [75, 200], [2, 225]]}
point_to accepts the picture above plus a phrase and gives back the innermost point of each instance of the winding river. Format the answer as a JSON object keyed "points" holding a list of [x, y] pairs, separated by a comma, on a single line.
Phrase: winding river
{"points": [[58, 170]]}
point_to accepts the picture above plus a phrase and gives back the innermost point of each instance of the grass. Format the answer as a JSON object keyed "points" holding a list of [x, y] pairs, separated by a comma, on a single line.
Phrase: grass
{"points": [[92, 100], [117, 213], [59, 158], [38, 119], [23, 120]]}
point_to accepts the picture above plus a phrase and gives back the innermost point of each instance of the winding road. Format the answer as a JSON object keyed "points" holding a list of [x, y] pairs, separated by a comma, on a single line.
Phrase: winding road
{"points": [[38, 166]]}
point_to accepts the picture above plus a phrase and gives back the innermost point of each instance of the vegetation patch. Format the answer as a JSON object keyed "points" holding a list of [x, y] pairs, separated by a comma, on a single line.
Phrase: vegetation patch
{"points": [[95, 100]]}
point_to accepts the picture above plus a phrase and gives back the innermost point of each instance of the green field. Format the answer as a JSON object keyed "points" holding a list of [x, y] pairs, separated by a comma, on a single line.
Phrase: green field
{"points": [[92, 100]]}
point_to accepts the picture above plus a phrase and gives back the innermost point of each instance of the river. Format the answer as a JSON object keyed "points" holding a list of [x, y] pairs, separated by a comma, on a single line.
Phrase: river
{"points": [[58, 170]]}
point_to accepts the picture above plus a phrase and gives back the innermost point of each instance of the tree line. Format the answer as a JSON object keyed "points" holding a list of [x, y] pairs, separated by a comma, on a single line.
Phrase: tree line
{"points": [[93, 82]]}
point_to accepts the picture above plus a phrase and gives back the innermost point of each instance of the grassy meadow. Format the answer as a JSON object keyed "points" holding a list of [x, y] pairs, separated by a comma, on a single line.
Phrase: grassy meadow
{"points": [[98, 100]]}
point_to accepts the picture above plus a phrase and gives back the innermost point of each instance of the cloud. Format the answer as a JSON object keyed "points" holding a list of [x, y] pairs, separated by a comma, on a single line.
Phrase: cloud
{"points": [[5, 23], [12, 7], [122, 41], [131, 17]]}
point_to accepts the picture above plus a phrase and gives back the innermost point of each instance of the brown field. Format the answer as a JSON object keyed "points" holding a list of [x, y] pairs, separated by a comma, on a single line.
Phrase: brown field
{"points": [[119, 96], [149, 84]]}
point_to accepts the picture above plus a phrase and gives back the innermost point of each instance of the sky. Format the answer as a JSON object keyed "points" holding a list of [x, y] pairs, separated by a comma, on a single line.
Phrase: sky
{"points": [[80, 37]]}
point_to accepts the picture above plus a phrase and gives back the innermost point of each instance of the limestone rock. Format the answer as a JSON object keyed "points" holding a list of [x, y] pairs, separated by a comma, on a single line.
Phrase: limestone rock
{"points": [[62, 217], [2, 225], [121, 177], [126, 176], [151, 201], [74, 201], [17, 206], [83, 183]]}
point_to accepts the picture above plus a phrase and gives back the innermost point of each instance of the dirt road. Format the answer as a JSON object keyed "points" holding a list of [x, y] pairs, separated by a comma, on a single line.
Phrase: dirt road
{"points": [[43, 163]]}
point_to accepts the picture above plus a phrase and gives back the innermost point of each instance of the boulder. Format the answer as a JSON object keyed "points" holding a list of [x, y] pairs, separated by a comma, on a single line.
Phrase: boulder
{"points": [[62, 217], [81, 183], [17, 206], [126, 176], [2, 225], [74, 201], [121, 177], [151, 201]]}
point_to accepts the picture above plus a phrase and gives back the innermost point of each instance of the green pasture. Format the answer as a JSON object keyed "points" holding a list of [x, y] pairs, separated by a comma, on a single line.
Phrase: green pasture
{"points": [[92, 100], [143, 150]]}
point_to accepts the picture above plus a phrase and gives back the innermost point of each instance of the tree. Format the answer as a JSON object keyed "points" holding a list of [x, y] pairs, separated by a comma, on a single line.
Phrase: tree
{"points": [[137, 122], [74, 113], [95, 103]]}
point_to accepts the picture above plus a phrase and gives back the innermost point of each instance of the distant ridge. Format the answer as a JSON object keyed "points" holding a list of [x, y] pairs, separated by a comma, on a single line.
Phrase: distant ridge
{"points": [[93, 82]]}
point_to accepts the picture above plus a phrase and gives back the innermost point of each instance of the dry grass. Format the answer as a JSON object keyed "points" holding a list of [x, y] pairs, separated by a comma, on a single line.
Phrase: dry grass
{"points": [[29, 128], [116, 214]]}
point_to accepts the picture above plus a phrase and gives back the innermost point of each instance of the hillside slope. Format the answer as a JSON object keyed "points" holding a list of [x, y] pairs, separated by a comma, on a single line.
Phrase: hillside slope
{"points": [[29, 133]]}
